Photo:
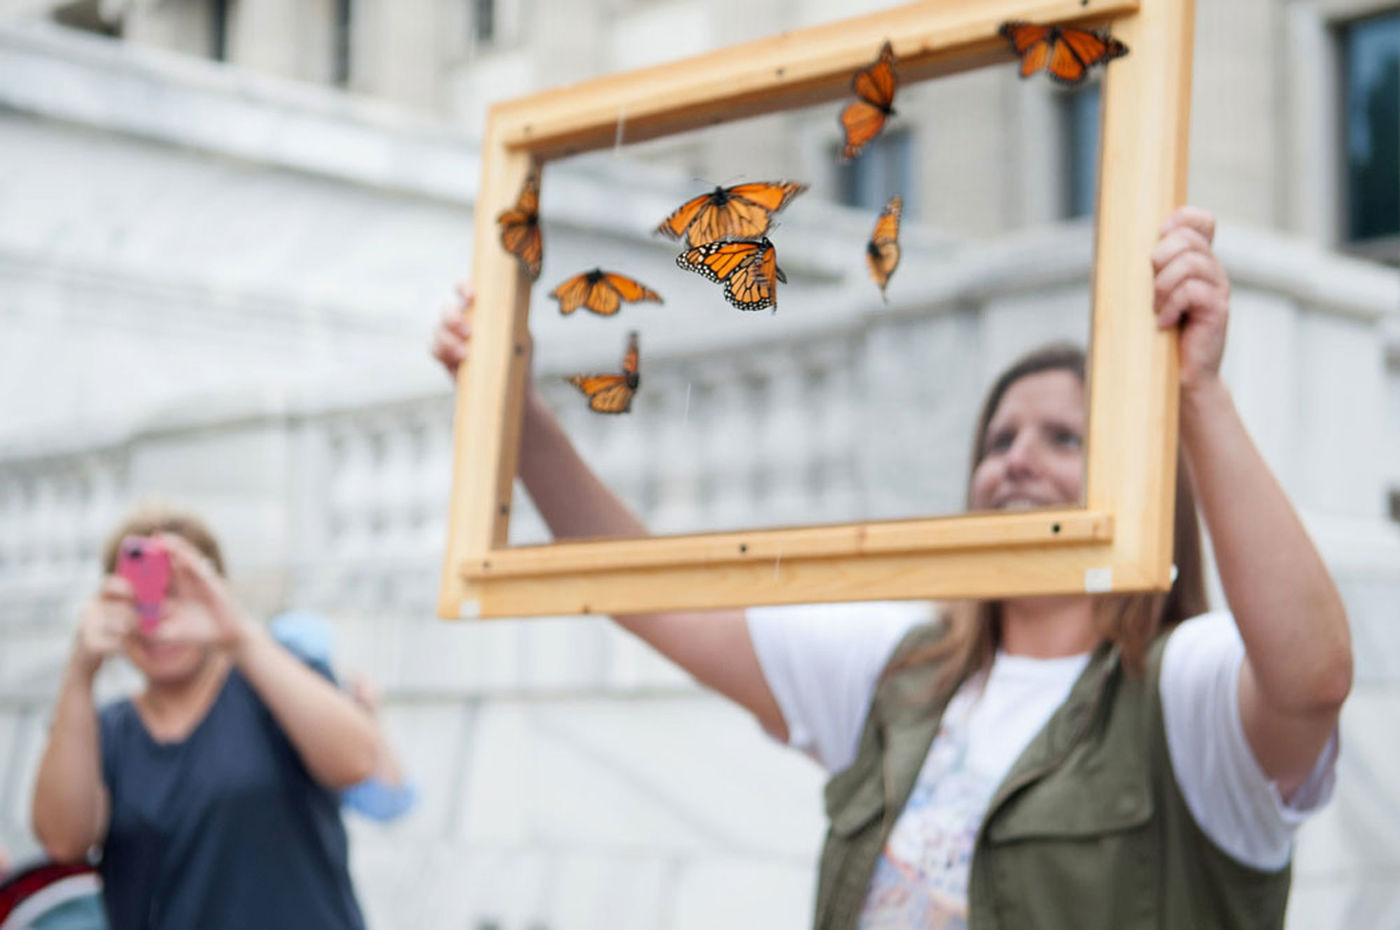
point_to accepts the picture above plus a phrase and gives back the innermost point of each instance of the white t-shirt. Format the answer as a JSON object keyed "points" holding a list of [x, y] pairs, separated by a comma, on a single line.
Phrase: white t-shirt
{"points": [[822, 664]]}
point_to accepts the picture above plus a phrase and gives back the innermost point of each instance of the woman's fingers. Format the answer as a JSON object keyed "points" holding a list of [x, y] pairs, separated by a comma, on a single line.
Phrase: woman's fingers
{"points": [[454, 320], [1177, 241], [194, 573], [116, 588], [452, 337], [1201, 221], [1204, 275]]}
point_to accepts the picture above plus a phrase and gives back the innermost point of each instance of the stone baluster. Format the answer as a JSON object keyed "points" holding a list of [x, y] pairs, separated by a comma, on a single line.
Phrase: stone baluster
{"points": [[730, 448], [840, 488], [676, 464], [783, 442]]}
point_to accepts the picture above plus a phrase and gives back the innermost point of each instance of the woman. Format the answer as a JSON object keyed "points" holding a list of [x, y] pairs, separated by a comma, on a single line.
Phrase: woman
{"points": [[1053, 761], [211, 793]]}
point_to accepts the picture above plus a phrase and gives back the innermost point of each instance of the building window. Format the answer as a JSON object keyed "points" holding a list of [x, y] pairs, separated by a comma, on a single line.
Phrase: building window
{"points": [[484, 21], [218, 29], [1081, 149], [340, 43], [87, 15], [885, 167], [1371, 72]]}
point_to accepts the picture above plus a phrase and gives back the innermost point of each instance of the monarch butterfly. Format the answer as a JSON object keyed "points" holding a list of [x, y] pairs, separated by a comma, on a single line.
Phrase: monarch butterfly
{"points": [[882, 251], [1064, 52], [612, 393], [748, 269], [520, 227], [863, 119], [743, 211], [600, 291]]}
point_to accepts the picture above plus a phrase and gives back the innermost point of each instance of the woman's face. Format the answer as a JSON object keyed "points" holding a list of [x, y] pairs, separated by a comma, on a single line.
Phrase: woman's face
{"points": [[1033, 452], [167, 663]]}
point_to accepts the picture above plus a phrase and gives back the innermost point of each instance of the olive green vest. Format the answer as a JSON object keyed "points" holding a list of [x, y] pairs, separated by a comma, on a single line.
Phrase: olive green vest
{"points": [[1088, 831]]}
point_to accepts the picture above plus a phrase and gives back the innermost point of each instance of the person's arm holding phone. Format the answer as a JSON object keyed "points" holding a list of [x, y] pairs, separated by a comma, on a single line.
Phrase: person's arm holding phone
{"points": [[70, 806], [336, 739]]}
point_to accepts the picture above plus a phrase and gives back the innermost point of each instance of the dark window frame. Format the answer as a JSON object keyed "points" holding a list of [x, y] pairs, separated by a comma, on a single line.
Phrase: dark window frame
{"points": [[853, 178], [485, 22], [341, 44], [1081, 118], [1367, 237], [218, 28]]}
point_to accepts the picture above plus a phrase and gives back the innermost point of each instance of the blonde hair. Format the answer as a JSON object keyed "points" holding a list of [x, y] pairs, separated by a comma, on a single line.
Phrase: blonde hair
{"points": [[158, 517], [1131, 621]]}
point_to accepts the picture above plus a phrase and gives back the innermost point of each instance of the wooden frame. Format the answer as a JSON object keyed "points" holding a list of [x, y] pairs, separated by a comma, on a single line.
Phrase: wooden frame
{"points": [[1120, 540]]}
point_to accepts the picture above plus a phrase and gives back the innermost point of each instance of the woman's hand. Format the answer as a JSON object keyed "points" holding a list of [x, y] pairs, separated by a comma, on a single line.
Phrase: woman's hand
{"points": [[200, 607], [452, 339], [105, 621], [1192, 292]]}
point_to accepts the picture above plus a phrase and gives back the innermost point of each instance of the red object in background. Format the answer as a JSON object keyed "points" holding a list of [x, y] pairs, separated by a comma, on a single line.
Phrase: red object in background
{"points": [[29, 892], [145, 563]]}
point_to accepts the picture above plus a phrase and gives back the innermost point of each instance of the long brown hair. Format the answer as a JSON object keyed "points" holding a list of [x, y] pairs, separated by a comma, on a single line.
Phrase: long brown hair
{"points": [[1132, 621]]}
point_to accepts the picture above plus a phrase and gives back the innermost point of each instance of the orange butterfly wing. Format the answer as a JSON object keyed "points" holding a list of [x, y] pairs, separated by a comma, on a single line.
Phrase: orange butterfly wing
{"points": [[1065, 66], [612, 393], [1066, 53], [628, 289], [862, 120], [630, 360], [606, 393], [601, 291], [520, 228], [743, 211], [573, 293], [675, 225], [882, 252], [1078, 50], [1024, 36], [748, 270]]}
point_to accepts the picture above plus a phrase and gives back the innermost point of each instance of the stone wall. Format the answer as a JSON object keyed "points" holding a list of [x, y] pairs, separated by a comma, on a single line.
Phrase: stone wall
{"points": [[218, 288]]}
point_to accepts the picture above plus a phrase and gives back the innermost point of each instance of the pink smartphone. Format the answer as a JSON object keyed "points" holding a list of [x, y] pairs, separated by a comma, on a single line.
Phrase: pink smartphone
{"points": [[145, 563]]}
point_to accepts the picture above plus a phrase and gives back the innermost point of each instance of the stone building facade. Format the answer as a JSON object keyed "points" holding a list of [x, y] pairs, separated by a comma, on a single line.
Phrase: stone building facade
{"points": [[216, 282]]}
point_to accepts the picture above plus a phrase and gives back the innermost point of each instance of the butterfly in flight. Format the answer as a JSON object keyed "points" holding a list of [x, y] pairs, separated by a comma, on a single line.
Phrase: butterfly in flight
{"points": [[874, 87], [882, 251], [610, 393], [520, 227], [601, 291], [743, 211], [748, 269], [1066, 53]]}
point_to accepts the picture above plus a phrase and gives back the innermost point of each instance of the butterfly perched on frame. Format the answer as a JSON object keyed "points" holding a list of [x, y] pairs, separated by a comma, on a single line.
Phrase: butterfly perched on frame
{"points": [[601, 291], [609, 393], [520, 227], [863, 118], [743, 211], [882, 251], [1066, 53], [748, 269]]}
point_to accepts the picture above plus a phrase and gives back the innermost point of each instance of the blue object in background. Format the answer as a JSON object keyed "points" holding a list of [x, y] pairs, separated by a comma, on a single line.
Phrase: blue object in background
{"points": [[310, 635]]}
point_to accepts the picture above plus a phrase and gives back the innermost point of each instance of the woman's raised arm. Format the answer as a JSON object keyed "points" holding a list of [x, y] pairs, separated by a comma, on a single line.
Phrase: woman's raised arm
{"points": [[713, 646], [1298, 664]]}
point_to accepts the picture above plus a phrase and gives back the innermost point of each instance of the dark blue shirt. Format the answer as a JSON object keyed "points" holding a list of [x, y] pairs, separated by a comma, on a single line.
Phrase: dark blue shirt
{"points": [[225, 829]]}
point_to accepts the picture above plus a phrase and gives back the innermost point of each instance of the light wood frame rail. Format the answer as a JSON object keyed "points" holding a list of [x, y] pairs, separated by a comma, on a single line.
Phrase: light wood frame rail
{"points": [[1120, 540]]}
